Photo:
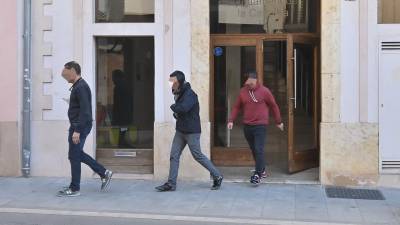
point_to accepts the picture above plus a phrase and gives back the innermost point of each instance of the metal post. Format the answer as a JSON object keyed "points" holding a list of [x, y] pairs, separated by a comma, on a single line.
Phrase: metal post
{"points": [[26, 117]]}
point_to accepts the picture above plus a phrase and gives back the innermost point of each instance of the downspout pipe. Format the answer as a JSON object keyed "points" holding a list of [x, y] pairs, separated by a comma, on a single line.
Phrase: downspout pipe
{"points": [[27, 75]]}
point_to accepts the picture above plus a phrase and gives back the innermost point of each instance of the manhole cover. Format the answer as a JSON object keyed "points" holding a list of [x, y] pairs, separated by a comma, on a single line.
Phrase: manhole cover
{"points": [[350, 193]]}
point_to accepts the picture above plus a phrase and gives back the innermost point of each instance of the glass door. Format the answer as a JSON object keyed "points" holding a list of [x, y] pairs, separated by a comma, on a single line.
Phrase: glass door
{"points": [[231, 58], [302, 89], [124, 118]]}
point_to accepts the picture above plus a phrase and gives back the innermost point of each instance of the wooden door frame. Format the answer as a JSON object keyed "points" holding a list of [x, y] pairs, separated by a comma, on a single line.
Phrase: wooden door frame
{"points": [[242, 156], [300, 160], [237, 156]]}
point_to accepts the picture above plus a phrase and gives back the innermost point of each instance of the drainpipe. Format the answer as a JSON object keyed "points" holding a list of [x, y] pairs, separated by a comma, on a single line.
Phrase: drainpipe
{"points": [[26, 115]]}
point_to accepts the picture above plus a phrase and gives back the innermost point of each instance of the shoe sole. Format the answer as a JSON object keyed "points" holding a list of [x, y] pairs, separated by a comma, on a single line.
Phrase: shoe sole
{"points": [[214, 189], [74, 195], [107, 185], [158, 190]]}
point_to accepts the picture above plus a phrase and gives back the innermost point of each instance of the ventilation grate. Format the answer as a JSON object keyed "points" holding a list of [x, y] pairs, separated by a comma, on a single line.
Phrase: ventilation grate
{"points": [[390, 46], [350, 193], [390, 164]]}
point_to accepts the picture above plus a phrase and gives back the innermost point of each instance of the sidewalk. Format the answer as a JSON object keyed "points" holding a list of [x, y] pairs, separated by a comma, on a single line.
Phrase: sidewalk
{"points": [[234, 202]]}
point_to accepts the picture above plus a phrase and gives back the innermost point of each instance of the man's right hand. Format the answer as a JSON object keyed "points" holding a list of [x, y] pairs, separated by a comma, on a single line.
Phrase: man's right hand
{"points": [[230, 125]]}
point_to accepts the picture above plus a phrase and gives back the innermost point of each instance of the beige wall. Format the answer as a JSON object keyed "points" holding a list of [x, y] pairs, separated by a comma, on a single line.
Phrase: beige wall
{"points": [[349, 151], [9, 96], [199, 78]]}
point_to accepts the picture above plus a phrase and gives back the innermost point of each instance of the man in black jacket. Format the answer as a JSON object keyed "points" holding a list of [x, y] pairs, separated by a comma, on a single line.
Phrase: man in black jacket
{"points": [[186, 112], [80, 117]]}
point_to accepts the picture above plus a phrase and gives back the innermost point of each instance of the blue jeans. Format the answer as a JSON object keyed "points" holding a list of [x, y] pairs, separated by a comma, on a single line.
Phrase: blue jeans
{"points": [[76, 156], [255, 136], [178, 144]]}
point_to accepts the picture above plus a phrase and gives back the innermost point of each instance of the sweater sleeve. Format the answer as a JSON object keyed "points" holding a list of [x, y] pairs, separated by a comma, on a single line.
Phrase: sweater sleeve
{"points": [[235, 109], [270, 101]]}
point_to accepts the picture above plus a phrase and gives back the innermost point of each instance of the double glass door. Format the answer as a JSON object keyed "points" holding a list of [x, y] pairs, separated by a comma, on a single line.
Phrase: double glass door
{"points": [[288, 66]]}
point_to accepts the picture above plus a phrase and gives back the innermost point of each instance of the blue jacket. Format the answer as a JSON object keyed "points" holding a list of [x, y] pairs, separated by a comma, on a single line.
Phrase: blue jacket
{"points": [[186, 110]]}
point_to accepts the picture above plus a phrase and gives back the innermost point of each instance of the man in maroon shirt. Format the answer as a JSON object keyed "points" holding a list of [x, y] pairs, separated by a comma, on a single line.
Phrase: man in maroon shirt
{"points": [[256, 101]]}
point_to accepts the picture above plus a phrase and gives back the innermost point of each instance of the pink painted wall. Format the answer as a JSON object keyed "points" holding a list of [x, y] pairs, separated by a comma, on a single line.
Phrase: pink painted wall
{"points": [[8, 61]]}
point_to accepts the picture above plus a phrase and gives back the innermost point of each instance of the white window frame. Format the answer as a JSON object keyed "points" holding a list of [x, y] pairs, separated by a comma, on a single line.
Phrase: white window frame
{"points": [[91, 30]]}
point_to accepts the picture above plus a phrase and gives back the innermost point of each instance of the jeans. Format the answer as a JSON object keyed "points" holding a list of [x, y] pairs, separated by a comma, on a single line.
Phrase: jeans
{"points": [[76, 156], [178, 144], [255, 136]]}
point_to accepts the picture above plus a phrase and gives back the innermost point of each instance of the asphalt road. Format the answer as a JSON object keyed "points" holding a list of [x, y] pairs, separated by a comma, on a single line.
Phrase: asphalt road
{"points": [[38, 219]]}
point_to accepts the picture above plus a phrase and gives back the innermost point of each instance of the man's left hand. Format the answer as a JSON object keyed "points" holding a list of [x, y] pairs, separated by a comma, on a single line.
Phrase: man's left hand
{"points": [[75, 138], [280, 126]]}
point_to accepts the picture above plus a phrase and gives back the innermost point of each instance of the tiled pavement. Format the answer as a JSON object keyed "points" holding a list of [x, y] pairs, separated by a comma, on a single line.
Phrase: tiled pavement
{"points": [[288, 202]]}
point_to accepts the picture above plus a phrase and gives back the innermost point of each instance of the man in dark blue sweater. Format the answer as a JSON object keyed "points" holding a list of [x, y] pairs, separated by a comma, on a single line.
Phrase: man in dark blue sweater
{"points": [[186, 112], [80, 117]]}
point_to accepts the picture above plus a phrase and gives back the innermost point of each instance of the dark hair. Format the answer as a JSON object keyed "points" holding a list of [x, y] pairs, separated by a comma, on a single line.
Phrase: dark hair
{"points": [[118, 76], [180, 76], [74, 65]]}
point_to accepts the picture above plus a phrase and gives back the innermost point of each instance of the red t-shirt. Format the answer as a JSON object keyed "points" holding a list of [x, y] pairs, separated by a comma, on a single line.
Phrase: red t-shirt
{"points": [[256, 104]]}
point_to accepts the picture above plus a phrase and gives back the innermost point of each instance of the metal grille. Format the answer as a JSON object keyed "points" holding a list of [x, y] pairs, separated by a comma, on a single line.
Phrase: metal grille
{"points": [[350, 193], [390, 46], [390, 164]]}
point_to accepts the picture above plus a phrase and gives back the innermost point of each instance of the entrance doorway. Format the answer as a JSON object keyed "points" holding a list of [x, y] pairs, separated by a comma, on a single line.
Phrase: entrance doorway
{"points": [[124, 118], [288, 65]]}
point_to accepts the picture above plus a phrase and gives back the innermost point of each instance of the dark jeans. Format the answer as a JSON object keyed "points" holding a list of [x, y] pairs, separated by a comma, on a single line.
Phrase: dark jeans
{"points": [[76, 156], [178, 144], [255, 136]]}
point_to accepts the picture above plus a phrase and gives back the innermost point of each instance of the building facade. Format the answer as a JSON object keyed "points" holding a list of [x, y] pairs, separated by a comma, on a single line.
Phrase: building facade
{"points": [[332, 66]]}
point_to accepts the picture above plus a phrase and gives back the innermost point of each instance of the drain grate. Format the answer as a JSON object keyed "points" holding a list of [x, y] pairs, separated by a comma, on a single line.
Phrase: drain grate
{"points": [[367, 194]]}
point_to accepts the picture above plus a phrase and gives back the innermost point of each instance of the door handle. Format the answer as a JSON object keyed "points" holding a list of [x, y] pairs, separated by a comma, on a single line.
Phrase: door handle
{"points": [[295, 78], [228, 131]]}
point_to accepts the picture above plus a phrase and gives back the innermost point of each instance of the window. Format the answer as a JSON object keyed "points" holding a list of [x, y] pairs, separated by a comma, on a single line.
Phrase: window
{"points": [[263, 16], [388, 11], [124, 11], [125, 92]]}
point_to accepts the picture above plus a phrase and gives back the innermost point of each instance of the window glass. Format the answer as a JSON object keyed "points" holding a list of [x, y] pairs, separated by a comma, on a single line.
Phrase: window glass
{"points": [[128, 11], [388, 11], [125, 92], [263, 16]]}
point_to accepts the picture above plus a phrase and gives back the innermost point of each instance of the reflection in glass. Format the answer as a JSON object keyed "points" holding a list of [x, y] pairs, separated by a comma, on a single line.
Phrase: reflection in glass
{"points": [[122, 105], [263, 16], [388, 11], [305, 138], [230, 64], [116, 11], [275, 79], [125, 92]]}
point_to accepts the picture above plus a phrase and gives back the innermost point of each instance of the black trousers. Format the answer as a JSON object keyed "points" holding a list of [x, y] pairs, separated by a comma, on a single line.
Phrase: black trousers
{"points": [[255, 136], [76, 156]]}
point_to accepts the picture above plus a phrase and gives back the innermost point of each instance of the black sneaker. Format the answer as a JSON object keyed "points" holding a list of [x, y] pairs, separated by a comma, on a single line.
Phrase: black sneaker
{"points": [[105, 181], [217, 183], [68, 192], [255, 179], [166, 187]]}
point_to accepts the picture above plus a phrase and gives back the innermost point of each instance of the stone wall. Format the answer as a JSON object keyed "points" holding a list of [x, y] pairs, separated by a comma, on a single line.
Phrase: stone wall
{"points": [[349, 151]]}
